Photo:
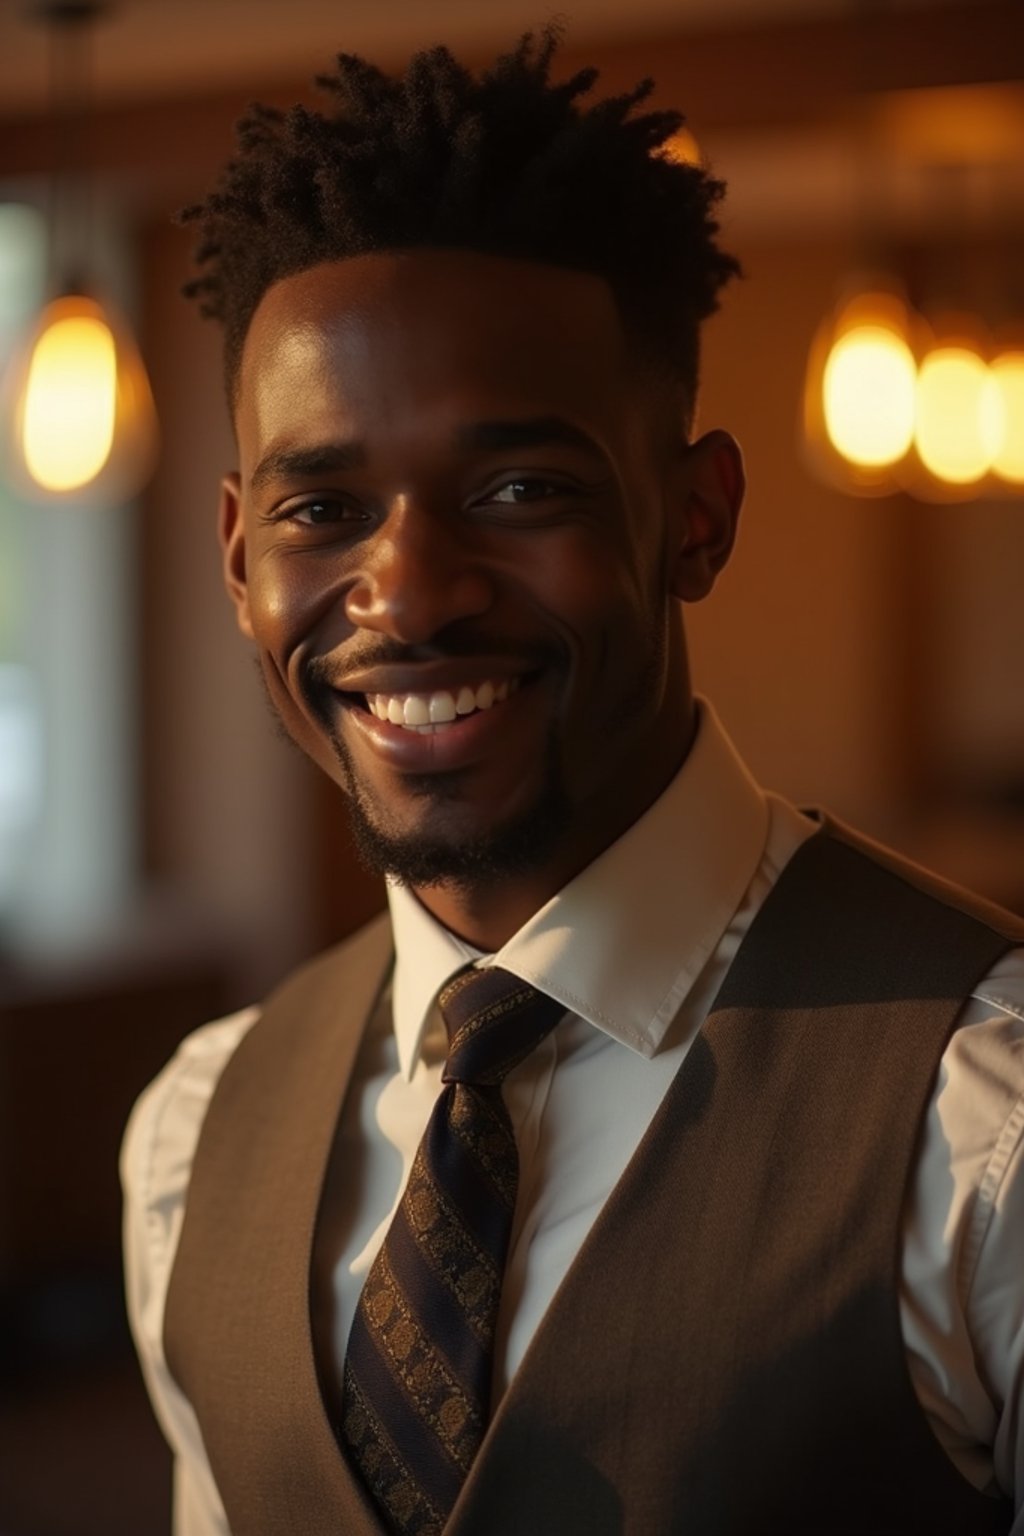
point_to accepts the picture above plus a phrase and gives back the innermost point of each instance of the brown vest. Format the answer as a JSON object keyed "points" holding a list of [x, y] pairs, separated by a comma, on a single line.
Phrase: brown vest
{"points": [[724, 1357]]}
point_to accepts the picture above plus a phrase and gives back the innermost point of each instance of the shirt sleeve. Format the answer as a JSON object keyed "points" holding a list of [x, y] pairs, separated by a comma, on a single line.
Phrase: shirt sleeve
{"points": [[156, 1163], [992, 1265], [962, 1295]]}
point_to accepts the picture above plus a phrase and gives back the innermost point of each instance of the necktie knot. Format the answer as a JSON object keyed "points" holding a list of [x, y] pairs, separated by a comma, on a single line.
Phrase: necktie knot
{"points": [[494, 1020]]}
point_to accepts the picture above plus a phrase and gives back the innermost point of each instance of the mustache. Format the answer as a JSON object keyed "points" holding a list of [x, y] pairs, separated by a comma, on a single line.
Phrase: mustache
{"points": [[318, 673]]}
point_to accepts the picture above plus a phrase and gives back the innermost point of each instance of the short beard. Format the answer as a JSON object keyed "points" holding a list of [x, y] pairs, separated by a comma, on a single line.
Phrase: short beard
{"points": [[515, 847], [521, 844]]}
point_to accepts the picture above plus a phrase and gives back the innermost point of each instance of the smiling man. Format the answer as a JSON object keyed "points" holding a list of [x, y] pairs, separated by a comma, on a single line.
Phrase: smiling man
{"points": [[655, 1165], [413, 468]]}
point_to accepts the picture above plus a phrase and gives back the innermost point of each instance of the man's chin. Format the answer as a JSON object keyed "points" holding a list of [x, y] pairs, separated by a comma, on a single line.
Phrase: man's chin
{"points": [[452, 853]]}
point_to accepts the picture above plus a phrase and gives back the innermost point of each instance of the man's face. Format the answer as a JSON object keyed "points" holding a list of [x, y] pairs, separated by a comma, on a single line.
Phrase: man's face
{"points": [[454, 538]]}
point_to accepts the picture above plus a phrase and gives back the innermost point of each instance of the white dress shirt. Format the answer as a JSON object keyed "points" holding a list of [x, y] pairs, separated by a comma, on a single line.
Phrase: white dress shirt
{"points": [[636, 947]]}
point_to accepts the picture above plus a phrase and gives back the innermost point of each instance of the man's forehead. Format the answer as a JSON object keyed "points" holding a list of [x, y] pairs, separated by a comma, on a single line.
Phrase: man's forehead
{"points": [[454, 292], [402, 322]]}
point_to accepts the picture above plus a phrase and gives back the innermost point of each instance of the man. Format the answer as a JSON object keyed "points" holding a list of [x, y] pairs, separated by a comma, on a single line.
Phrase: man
{"points": [[723, 1235]]}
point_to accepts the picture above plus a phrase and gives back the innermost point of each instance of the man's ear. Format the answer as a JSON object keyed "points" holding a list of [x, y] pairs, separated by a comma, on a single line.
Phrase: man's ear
{"points": [[711, 487], [231, 532]]}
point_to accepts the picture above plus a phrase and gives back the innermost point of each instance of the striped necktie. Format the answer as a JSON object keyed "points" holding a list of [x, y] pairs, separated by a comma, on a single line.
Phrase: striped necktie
{"points": [[417, 1380]]}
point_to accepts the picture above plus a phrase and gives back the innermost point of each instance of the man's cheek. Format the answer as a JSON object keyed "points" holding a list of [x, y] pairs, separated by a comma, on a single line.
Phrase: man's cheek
{"points": [[281, 697], [308, 734], [281, 604]]}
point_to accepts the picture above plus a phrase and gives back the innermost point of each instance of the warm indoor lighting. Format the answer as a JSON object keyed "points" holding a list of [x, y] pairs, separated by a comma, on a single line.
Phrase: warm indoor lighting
{"points": [[959, 416], [859, 392], [81, 425], [868, 389], [70, 403], [1006, 375], [77, 421]]}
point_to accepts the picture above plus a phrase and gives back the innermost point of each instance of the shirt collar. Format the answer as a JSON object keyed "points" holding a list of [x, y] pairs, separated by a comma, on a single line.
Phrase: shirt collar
{"points": [[622, 944], [426, 955]]}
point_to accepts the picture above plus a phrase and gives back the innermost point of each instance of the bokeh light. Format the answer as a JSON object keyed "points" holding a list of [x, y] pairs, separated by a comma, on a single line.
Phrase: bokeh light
{"points": [[959, 415], [868, 388], [77, 419], [1006, 374], [70, 406]]}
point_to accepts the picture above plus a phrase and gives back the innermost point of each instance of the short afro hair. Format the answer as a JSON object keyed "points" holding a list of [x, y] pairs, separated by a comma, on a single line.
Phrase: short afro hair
{"points": [[506, 163]]}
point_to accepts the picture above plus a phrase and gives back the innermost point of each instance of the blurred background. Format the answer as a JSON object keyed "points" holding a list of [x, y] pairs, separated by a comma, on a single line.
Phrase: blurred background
{"points": [[165, 857]]}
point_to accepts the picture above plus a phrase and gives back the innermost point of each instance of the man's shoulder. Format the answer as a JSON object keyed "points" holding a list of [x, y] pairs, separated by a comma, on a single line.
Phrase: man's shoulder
{"points": [[165, 1123], [310, 1023], [162, 1131], [945, 892], [851, 923]]}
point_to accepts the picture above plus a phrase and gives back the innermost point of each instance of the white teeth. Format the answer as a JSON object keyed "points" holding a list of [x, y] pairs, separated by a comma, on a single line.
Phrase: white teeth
{"points": [[426, 712]]}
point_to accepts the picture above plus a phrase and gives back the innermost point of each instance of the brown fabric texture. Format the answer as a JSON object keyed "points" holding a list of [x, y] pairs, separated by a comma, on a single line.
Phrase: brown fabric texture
{"points": [[237, 1327], [724, 1356]]}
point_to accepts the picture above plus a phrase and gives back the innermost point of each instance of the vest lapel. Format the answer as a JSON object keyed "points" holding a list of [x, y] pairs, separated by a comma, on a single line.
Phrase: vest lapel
{"points": [[309, 1034]]}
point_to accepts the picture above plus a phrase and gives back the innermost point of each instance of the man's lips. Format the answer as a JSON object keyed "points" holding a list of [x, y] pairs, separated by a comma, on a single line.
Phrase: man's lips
{"points": [[448, 674], [443, 744]]}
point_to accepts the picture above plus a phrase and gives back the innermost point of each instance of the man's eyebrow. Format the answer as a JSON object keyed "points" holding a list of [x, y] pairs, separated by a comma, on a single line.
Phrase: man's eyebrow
{"points": [[479, 436], [305, 463], [535, 432]]}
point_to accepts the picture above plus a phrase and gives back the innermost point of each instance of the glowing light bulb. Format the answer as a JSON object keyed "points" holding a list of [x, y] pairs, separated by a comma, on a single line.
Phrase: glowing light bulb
{"points": [[70, 398], [77, 413], [960, 415], [1006, 379], [868, 395]]}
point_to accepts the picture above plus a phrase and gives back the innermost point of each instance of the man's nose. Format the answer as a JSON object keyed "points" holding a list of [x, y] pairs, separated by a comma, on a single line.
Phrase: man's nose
{"points": [[419, 574]]}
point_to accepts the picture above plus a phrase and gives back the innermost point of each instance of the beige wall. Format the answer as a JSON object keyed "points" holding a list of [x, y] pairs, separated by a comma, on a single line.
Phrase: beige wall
{"points": [[788, 646]]}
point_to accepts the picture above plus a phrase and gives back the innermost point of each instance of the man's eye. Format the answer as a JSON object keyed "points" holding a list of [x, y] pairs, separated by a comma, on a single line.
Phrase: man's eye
{"points": [[313, 514], [517, 492]]}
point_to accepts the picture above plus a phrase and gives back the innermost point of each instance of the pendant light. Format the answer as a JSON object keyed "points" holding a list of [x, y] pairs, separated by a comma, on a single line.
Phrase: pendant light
{"points": [[79, 423], [860, 389], [959, 418]]}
